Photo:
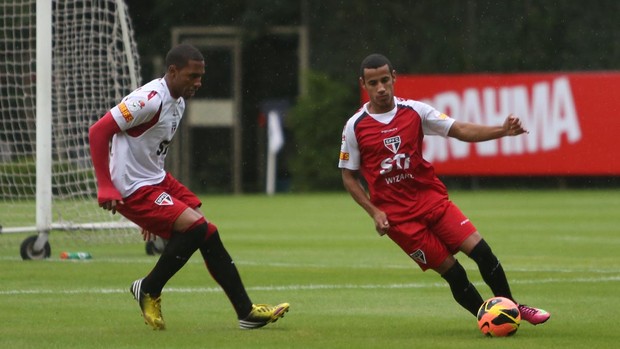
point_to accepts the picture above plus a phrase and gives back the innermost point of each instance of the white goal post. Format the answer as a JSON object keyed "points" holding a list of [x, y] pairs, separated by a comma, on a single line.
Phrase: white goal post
{"points": [[63, 64]]}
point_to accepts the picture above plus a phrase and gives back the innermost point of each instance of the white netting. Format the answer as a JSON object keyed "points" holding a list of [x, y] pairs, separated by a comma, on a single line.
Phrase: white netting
{"points": [[95, 63]]}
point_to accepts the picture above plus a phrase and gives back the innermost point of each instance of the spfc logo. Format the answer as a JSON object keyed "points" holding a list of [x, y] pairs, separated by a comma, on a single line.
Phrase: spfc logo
{"points": [[134, 106], [418, 255], [392, 143], [164, 199]]}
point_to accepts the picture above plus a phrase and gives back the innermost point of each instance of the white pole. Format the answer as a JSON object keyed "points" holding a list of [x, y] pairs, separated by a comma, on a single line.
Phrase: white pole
{"points": [[271, 173], [44, 118], [275, 140], [122, 14]]}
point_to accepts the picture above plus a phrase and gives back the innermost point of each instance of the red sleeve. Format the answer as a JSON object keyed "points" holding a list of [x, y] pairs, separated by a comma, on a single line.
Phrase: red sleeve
{"points": [[100, 134]]}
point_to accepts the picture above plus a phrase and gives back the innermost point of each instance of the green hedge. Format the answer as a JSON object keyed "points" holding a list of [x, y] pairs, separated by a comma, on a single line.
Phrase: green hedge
{"points": [[316, 123], [18, 178]]}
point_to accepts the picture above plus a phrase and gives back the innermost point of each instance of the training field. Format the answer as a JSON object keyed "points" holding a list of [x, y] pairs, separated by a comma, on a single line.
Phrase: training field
{"points": [[348, 288]]}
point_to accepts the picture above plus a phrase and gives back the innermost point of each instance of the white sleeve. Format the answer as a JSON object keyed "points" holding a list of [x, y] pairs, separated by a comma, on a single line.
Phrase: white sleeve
{"points": [[135, 109], [434, 123], [349, 151]]}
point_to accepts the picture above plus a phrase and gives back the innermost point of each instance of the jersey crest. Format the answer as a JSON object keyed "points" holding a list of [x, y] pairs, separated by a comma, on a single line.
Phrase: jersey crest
{"points": [[392, 143], [419, 256], [164, 199]]}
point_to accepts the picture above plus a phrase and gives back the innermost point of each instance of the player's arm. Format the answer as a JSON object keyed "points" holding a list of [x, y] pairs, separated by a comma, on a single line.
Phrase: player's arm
{"points": [[469, 132], [353, 185], [100, 134]]}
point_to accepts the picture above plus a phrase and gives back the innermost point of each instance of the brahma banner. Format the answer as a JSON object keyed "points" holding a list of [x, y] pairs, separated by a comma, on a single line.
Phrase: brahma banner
{"points": [[571, 119]]}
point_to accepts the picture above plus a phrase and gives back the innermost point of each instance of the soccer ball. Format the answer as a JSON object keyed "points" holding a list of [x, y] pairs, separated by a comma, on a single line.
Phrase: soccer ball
{"points": [[499, 317]]}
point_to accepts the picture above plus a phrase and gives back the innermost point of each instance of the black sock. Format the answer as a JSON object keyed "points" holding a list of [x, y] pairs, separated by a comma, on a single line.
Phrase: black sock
{"points": [[224, 272], [491, 269], [177, 252], [463, 290]]}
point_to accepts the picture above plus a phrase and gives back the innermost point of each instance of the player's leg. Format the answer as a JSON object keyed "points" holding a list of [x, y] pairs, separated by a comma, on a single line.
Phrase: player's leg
{"points": [[429, 252], [159, 212], [178, 250], [180, 247], [493, 275], [463, 291], [490, 267], [171, 215], [448, 228], [457, 232], [225, 273], [222, 268]]}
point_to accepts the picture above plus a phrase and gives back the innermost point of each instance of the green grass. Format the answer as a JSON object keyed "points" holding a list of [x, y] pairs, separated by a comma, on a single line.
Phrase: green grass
{"points": [[348, 288]]}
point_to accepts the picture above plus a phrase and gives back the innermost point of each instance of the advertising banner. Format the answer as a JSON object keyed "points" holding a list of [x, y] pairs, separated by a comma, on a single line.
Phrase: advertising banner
{"points": [[573, 121]]}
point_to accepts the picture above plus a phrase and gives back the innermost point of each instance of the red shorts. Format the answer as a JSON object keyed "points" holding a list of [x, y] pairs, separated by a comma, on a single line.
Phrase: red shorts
{"points": [[156, 207], [430, 239]]}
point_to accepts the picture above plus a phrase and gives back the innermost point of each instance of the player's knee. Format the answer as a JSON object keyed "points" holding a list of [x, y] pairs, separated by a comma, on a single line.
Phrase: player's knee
{"points": [[201, 230], [456, 275], [195, 233], [470, 242], [211, 229], [185, 243], [482, 253], [213, 250]]}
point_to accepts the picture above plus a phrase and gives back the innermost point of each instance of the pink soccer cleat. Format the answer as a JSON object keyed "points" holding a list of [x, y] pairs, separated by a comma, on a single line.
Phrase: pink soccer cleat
{"points": [[532, 315]]}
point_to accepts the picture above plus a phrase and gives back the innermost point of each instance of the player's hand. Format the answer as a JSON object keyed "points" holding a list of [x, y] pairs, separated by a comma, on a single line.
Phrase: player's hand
{"points": [[111, 205], [109, 198], [512, 126], [382, 225], [147, 235]]}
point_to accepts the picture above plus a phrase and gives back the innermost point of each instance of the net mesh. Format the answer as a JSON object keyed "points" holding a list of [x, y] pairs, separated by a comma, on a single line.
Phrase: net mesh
{"points": [[94, 66]]}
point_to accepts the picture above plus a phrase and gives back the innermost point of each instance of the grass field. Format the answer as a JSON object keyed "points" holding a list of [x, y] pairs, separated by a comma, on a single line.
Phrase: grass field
{"points": [[348, 288]]}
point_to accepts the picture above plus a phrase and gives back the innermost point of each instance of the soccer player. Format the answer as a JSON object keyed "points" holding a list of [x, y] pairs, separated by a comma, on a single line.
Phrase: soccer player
{"points": [[131, 180], [382, 141]]}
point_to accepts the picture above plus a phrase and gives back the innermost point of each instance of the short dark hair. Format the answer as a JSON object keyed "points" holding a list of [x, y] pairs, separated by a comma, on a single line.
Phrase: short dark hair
{"points": [[374, 61], [180, 55]]}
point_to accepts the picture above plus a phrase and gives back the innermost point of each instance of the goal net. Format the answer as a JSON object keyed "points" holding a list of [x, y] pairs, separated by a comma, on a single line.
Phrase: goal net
{"points": [[94, 64]]}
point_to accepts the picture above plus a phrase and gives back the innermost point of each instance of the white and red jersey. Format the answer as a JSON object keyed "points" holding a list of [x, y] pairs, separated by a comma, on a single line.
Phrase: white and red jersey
{"points": [[148, 118], [387, 150]]}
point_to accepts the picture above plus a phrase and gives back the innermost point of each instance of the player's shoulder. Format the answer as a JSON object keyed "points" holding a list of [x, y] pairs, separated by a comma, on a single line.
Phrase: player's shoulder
{"points": [[411, 103], [148, 96], [357, 116], [421, 108], [155, 89]]}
